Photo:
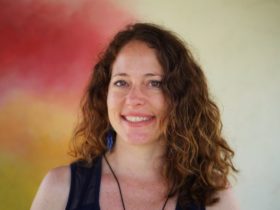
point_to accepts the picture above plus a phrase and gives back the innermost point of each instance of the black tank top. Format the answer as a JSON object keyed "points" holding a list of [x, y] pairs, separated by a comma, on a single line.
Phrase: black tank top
{"points": [[85, 186]]}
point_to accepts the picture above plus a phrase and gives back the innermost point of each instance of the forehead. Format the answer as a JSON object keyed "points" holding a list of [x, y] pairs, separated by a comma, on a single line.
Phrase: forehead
{"points": [[137, 57]]}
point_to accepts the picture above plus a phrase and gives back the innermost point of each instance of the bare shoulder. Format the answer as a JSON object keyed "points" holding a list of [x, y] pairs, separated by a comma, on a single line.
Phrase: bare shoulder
{"points": [[227, 201], [54, 190]]}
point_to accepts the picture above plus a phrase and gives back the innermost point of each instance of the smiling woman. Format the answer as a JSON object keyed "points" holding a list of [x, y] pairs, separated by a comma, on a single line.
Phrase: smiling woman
{"points": [[135, 100], [150, 137]]}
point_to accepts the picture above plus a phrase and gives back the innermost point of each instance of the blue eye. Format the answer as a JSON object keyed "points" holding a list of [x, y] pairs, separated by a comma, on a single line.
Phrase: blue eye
{"points": [[120, 83], [155, 83]]}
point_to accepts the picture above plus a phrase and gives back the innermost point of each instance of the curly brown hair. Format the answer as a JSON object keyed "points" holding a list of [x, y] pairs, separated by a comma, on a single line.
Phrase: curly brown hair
{"points": [[198, 160]]}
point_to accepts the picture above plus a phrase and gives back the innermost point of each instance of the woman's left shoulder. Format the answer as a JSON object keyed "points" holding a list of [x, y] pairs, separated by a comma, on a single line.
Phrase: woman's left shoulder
{"points": [[227, 200]]}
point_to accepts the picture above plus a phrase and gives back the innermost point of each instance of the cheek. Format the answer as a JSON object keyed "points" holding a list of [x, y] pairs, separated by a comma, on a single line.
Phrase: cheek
{"points": [[161, 104], [110, 97], [109, 100], [110, 104], [113, 100]]}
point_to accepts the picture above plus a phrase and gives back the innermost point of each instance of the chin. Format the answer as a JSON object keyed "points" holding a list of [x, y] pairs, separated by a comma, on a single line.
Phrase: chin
{"points": [[139, 139]]}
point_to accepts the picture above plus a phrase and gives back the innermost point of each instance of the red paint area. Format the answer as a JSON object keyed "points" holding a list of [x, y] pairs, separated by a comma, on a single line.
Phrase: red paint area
{"points": [[51, 45]]}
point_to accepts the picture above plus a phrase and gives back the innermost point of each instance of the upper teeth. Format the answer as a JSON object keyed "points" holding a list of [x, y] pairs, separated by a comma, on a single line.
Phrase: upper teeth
{"points": [[136, 119]]}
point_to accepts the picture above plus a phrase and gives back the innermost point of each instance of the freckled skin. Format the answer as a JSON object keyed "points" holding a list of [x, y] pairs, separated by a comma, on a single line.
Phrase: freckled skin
{"points": [[134, 90]]}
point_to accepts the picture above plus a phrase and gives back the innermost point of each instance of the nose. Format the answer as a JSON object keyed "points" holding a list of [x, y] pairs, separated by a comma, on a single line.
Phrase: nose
{"points": [[135, 97]]}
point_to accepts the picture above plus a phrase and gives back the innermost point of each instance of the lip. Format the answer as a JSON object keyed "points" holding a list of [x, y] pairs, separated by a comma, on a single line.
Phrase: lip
{"points": [[138, 114], [140, 123]]}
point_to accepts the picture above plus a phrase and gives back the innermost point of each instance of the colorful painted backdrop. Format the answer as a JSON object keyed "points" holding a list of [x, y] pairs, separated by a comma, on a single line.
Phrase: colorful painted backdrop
{"points": [[47, 51]]}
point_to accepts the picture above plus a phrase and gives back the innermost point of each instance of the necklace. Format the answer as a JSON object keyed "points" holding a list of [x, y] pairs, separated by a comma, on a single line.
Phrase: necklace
{"points": [[119, 186]]}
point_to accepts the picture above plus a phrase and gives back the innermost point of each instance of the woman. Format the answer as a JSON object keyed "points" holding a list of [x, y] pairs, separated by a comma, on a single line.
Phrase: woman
{"points": [[150, 137]]}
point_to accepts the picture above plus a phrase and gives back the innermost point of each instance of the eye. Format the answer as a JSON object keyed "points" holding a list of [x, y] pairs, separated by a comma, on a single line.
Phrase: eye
{"points": [[155, 83], [120, 83]]}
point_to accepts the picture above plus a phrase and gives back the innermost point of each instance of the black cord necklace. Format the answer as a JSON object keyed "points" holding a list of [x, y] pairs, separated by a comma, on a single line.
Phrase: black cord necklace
{"points": [[119, 186]]}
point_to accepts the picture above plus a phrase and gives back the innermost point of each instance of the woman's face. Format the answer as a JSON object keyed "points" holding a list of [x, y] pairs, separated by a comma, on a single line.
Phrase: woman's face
{"points": [[136, 104]]}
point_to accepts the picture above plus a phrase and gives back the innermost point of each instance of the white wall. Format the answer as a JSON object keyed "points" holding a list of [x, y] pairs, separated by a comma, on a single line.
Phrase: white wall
{"points": [[238, 44]]}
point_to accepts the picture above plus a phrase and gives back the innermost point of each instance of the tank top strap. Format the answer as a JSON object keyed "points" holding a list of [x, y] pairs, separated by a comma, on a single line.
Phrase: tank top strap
{"points": [[191, 206], [85, 186], [195, 207]]}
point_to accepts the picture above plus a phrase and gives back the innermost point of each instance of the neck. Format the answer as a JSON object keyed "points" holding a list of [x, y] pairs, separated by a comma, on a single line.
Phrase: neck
{"points": [[138, 161]]}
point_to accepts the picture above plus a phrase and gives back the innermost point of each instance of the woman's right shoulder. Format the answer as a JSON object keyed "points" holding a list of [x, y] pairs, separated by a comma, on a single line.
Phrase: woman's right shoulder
{"points": [[54, 190]]}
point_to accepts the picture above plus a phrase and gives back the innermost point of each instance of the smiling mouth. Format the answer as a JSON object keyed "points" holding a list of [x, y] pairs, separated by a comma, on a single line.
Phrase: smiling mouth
{"points": [[137, 119]]}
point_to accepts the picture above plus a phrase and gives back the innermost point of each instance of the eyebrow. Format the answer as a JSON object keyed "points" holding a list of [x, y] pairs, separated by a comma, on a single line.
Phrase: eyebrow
{"points": [[146, 75]]}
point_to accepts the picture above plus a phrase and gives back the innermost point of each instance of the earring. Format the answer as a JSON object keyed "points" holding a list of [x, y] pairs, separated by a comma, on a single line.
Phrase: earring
{"points": [[110, 140]]}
